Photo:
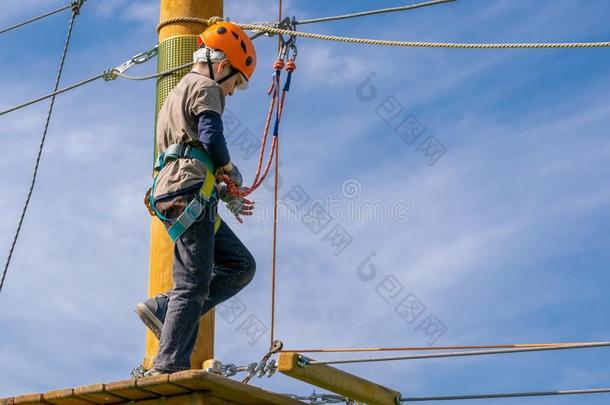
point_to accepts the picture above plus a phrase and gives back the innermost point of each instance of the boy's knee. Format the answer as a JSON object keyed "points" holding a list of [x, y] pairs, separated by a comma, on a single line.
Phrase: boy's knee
{"points": [[249, 268]]}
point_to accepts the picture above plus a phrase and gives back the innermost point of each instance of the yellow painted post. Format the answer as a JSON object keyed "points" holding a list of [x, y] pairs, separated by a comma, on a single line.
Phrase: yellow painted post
{"points": [[337, 381], [177, 42]]}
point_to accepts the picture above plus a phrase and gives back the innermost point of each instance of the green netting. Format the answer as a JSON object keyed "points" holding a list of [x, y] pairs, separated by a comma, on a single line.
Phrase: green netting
{"points": [[174, 51]]}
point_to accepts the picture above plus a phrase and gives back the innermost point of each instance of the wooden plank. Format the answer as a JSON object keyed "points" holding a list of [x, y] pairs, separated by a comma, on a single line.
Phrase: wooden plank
{"points": [[129, 389], [214, 400], [161, 385], [194, 398], [65, 397], [335, 380], [228, 389], [185, 387], [97, 393], [28, 399]]}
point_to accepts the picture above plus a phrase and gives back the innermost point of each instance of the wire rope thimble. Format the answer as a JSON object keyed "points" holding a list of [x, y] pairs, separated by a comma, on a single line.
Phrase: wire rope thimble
{"points": [[276, 346]]}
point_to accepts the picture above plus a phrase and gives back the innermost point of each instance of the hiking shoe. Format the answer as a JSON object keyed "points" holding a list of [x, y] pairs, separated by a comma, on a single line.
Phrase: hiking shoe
{"points": [[154, 371], [152, 313], [137, 372], [141, 372]]}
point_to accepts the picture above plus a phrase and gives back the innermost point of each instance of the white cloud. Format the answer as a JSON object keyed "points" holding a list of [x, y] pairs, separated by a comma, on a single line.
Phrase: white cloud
{"points": [[145, 12], [328, 66], [108, 8]]}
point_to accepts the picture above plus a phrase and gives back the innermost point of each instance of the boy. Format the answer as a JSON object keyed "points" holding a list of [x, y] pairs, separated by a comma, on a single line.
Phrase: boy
{"points": [[210, 263]]}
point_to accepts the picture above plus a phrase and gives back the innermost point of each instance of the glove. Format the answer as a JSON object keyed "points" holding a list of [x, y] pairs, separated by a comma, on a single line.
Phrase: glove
{"points": [[235, 176], [237, 205], [147, 203]]}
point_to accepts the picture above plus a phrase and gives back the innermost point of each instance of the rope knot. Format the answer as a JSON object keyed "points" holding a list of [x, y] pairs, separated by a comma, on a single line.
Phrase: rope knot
{"points": [[214, 20], [187, 19], [279, 64], [291, 66]]}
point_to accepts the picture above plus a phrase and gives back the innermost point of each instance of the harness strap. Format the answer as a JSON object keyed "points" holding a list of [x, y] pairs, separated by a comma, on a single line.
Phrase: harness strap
{"points": [[188, 217], [206, 192], [181, 150]]}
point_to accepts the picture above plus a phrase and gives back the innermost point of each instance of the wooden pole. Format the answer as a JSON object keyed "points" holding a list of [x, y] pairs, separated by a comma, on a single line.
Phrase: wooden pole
{"points": [[177, 42]]}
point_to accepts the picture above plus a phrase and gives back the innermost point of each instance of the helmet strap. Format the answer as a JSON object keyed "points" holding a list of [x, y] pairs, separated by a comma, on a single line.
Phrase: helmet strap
{"points": [[231, 73], [209, 62]]}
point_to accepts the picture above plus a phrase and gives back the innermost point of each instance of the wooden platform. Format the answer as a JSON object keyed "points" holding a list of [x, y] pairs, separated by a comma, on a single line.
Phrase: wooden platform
{"points": [[186, 387]]}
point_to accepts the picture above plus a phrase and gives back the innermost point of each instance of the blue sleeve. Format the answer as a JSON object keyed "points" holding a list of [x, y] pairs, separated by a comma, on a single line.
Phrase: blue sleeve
{"points": [[211, 135]]}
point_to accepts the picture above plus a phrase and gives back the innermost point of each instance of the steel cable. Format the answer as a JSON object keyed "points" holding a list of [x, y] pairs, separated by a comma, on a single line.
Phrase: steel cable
{"points": [[107, 75], [506, 395], [458, 354], [75, 12], [423, 348], [31, 20], [372, 12], [53, 94]]}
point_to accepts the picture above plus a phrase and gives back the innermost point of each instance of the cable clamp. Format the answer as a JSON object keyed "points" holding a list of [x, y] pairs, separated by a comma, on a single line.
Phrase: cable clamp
{"points": [[229, 370], [265, 367], [76, 5], [316, 398], [269, 369]]}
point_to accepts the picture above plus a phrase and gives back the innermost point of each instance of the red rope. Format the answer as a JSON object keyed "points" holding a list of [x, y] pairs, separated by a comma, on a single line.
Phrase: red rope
{"points": [[265, 133], [258, 178], [275, 150]]}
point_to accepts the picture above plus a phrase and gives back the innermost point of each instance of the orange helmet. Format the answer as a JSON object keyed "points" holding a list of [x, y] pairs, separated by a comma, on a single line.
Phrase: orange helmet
{"points": [[234, 42]]}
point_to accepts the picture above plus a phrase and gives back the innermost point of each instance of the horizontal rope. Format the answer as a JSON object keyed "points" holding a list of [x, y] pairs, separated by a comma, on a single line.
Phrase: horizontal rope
{"points": [[459, 354], [507, 395], [373, 12], [414, 44], [187, 19], [423, 348]]}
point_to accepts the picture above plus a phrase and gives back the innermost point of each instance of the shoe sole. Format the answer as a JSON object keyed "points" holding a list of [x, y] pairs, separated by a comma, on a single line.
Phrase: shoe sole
{"points": [[150, 320]]}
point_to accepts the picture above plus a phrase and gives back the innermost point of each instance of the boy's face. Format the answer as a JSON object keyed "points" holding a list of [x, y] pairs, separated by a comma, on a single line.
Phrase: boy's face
{"points": [[237, 80], [229, 86]]}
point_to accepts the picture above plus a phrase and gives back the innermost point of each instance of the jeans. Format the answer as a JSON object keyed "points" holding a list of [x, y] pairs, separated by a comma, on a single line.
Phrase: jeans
{"points": [[208, 269]]}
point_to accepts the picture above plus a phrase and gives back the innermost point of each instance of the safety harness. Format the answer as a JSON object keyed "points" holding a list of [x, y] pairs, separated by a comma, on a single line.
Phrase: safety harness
{"points": [[207, 193]]}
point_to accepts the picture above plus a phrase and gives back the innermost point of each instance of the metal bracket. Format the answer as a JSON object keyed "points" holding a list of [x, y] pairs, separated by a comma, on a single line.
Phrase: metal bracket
{"points": [[142, 57], [287, 45]]}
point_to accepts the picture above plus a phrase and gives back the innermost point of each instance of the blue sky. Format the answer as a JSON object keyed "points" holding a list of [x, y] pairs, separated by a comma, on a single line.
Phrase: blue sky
{"points": [[505, 239]]}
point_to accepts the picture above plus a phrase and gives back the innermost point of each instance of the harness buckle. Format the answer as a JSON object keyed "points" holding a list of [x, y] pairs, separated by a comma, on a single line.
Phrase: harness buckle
{"points": [[186, 150]]}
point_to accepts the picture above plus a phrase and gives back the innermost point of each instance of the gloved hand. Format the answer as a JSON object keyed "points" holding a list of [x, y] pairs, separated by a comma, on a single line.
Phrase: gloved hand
{"points": [[235, 176], [237, 205]]}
